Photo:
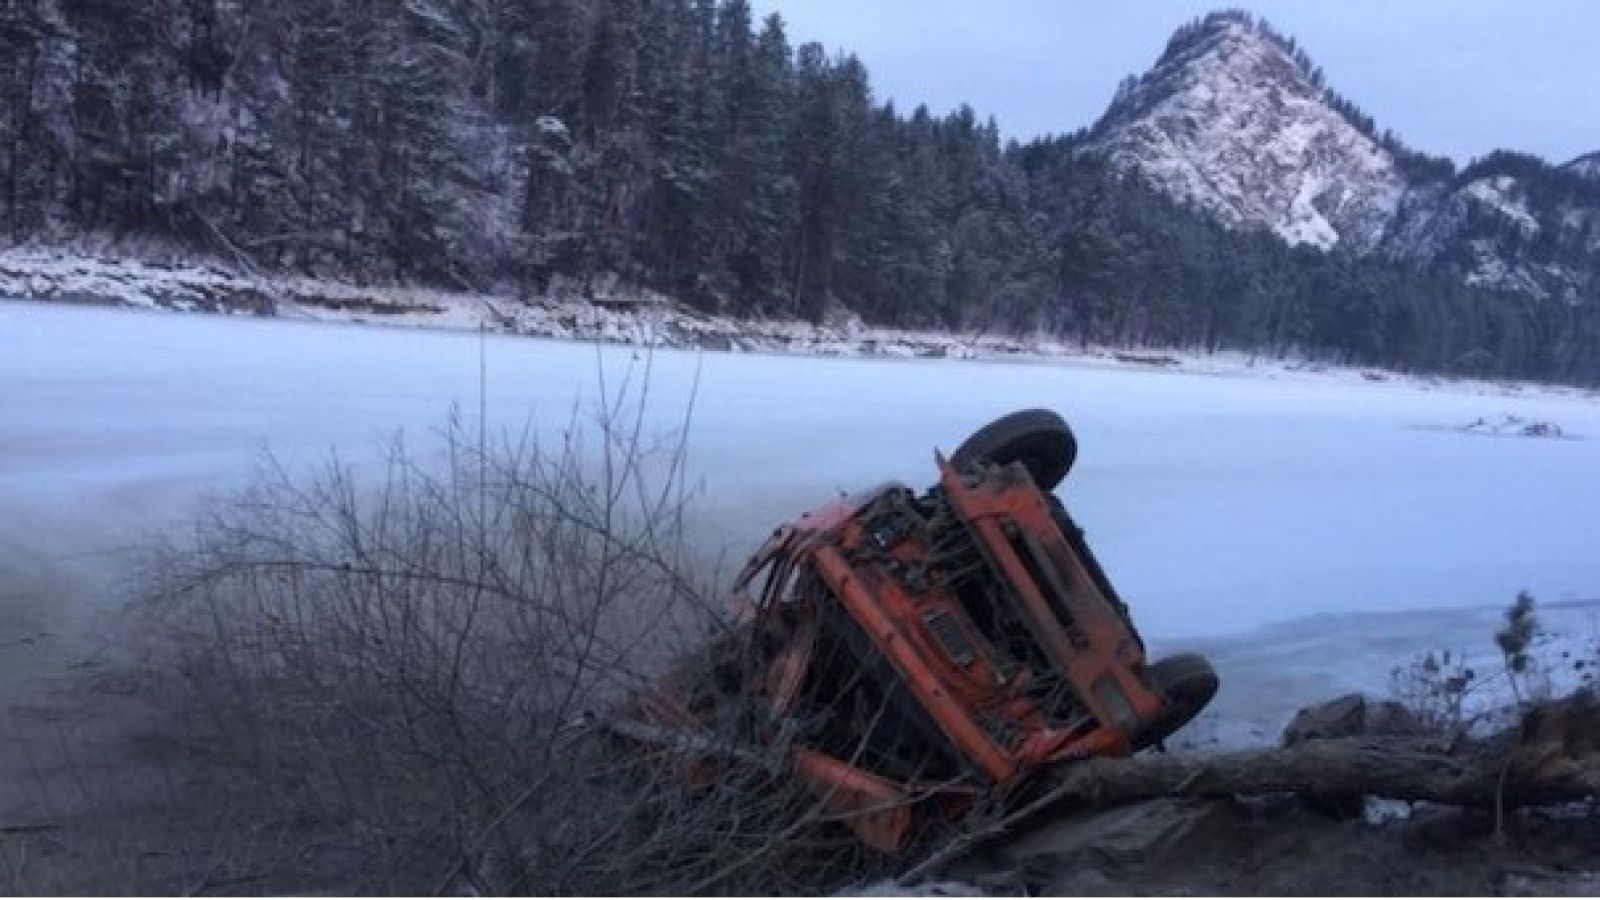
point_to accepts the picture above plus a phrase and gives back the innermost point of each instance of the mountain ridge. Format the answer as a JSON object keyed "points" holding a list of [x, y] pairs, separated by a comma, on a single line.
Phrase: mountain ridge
{"points": [[1236, 120], [1587, 165]]}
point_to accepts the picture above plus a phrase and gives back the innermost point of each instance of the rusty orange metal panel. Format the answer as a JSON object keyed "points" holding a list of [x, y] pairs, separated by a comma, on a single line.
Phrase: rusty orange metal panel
{"points": [[875, 808], [951, 717], [1095, 645]]}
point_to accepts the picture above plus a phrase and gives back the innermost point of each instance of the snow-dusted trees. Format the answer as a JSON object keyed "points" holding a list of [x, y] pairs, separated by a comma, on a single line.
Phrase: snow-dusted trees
{"points": [[34, 129], [758, 196], [682, 146], [126, 95]]}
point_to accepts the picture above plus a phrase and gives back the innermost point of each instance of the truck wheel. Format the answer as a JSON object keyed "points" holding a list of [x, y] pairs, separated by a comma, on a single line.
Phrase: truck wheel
{"points": [[1037, 438], [1189, 682]]}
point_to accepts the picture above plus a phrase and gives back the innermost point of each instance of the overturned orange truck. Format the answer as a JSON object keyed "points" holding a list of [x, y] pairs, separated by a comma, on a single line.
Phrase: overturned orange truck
{"points": [[906, 653]]}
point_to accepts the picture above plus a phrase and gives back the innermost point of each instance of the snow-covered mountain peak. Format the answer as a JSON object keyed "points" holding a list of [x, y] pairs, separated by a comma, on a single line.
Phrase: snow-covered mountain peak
{"points": [[1235, 120]]}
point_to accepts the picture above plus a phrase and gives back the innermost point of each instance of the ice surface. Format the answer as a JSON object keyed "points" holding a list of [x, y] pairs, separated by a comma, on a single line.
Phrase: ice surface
{"points": [[1271, 671], [1219, 501]]}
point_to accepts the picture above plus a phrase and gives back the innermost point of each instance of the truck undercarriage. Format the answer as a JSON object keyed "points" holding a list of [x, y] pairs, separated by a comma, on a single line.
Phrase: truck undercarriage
{"points": [[907, 654]]}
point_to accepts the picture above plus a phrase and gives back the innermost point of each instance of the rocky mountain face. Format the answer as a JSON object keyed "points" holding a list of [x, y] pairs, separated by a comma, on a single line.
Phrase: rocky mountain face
{"points": [[1236, 120], [1508, 223], [1229, 120]]}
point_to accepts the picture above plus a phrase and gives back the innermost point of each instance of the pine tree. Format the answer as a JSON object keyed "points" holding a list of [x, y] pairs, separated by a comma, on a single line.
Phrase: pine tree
{"points": [[35, 128]]}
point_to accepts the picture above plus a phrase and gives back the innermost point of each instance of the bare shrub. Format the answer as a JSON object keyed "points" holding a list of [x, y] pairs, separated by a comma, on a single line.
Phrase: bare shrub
{"points": [[400, 678], [1448, 696], [1438, 690]]}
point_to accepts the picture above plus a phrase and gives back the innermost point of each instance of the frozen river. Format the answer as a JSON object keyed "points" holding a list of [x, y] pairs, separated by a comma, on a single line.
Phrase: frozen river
{"points": [[1308, 530], [1217, 502]]}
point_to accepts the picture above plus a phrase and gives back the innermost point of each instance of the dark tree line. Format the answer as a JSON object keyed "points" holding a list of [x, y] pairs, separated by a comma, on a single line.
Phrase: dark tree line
{"points": [[674, 144]]}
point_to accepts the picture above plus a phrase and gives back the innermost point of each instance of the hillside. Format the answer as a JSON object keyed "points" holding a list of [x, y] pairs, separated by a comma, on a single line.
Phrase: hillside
{"points": [[591, 147]]}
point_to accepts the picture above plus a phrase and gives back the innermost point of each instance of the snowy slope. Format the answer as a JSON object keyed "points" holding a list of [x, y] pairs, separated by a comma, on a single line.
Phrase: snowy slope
{"points": [[1228, 120]]}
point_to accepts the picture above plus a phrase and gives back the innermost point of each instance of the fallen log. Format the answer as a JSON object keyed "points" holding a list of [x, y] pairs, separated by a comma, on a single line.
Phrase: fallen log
{"points": [[1490, 775], [1397, 768]]}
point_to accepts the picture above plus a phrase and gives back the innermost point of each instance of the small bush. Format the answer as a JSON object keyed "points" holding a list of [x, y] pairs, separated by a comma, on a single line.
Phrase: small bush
{"points": [[1448, 696], [1438, 690]]}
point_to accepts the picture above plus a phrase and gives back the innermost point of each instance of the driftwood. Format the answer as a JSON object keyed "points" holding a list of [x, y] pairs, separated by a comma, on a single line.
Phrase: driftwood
{"points": [[1500, 774]]}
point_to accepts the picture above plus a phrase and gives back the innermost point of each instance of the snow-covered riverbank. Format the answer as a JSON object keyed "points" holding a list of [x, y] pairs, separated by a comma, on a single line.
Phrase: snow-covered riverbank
{"points": [[608, 316], [637, 318]]}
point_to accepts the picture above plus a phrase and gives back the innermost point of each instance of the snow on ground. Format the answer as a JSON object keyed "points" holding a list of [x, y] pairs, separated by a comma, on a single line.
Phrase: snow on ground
{"points": [[1225, 501], [600, 311]]}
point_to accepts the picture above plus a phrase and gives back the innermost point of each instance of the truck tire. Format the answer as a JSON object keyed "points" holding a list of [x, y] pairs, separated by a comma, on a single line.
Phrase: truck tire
{"points": [[1189, 682], [1037, 438]]}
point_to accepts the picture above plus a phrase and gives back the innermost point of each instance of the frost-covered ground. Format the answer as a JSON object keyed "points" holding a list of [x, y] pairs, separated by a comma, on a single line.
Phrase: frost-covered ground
{"points": [[598, 311], [1224, 500]]}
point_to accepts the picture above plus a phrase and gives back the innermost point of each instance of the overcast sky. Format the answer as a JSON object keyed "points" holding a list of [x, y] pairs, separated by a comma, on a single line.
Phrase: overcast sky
{"points": [[1452, 77]]}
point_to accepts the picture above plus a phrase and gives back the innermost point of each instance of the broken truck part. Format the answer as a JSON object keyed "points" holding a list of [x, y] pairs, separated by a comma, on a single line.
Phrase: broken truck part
{"points": [[907, 654]]}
